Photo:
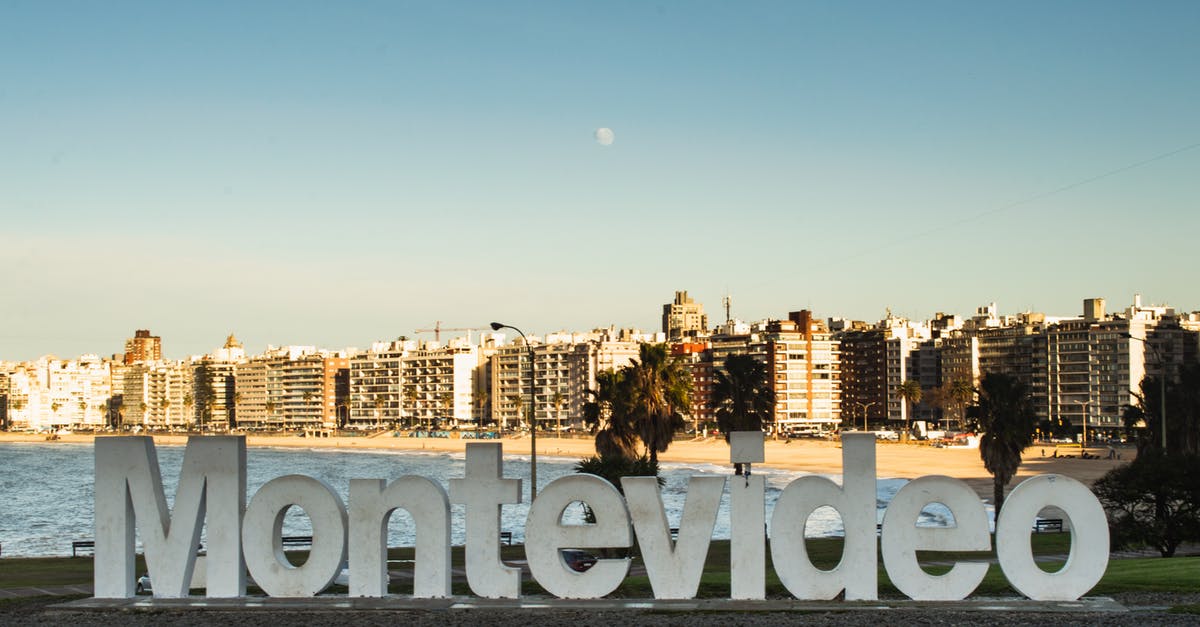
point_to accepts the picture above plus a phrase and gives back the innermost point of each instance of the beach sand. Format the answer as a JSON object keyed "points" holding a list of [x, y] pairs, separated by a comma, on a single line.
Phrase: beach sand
{"points": [[893, 460]]}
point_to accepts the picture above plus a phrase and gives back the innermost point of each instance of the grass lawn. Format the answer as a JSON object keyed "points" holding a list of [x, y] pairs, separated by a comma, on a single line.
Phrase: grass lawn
{"points": [[1179, 574]]}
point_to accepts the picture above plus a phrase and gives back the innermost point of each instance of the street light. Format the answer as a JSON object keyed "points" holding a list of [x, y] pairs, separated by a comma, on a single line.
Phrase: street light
{"points": [[1162, 387], [864, 407], [496, 326], [1087, 405]]}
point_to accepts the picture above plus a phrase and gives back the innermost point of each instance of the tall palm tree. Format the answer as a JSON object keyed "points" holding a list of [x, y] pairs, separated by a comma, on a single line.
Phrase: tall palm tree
{"points": [[961, 393], [743, 396], [410, 396], [558, 399], [911, 392], [660, 394], [1006, 417], [609, 416], [481, 397], [188, 402]]}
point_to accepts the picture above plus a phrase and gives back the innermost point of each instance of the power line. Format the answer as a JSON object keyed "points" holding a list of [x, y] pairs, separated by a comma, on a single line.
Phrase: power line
{"points": [[1025, 201]]}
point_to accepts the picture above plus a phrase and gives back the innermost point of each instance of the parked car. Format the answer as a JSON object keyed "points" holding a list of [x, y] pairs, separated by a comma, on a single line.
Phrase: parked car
{"points": [[578, 561]]}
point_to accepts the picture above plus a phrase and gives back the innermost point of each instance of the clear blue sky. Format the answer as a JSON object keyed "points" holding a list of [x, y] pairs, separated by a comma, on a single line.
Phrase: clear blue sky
{"points": [[329, 174]]}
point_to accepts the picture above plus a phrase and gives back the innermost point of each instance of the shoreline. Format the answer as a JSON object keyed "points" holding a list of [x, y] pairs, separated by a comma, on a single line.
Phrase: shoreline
{"points": [[893, 460]]}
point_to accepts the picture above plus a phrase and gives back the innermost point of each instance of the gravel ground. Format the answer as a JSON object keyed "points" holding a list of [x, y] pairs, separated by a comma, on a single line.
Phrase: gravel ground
{"points": [[1145, 609]]}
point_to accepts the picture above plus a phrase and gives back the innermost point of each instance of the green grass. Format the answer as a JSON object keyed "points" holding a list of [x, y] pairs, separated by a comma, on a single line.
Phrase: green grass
{"points": [[1179, 574]]}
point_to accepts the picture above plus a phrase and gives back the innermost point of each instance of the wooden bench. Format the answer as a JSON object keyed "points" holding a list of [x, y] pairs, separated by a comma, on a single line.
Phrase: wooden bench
{"points": [[1048, 524], [82, 544], [296, 540], [506, 537]]}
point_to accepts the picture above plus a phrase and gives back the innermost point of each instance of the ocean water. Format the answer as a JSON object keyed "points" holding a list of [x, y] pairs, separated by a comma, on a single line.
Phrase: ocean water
{"points": [[46, 490]]}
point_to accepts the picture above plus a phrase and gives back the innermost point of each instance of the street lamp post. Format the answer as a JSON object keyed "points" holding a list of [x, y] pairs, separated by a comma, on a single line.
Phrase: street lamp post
{"points": [[496, 326], [1162, 388], [1087, 405], [864, 407]]}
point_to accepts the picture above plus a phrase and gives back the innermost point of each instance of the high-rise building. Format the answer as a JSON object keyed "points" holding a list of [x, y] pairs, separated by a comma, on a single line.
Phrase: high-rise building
{"points": [[803, 360], [376, 385], [282, 389], [684, 318], [864, 375], [438, 384], [216, 388], [142, 347]]}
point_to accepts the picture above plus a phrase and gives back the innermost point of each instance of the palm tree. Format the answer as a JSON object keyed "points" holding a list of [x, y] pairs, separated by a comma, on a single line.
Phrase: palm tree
{"points": [[559, 399], [743, 396], [609, 416], [447, 401], [515, 399], [660, 395], [188, 402], [1006, 417], [410, 396], [961, 394], [911, 392], [481, 397]]}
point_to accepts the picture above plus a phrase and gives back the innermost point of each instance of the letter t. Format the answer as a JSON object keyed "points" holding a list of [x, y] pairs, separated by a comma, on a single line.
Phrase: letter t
{"points": [[483, 491]]}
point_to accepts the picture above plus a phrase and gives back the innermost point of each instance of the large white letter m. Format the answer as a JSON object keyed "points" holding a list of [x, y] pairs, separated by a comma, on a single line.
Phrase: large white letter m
{"points": [[129, 487]]}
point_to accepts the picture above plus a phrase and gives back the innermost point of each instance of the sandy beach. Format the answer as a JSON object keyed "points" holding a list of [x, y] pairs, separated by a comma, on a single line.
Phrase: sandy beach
{"points": [[893, 460]]}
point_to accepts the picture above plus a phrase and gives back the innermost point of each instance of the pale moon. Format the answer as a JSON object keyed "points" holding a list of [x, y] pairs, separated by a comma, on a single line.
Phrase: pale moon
{"points": [[604, 136]]}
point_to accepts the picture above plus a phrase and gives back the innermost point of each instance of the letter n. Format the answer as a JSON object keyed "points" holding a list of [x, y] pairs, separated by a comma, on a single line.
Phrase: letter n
{"points": [[129, 489]]}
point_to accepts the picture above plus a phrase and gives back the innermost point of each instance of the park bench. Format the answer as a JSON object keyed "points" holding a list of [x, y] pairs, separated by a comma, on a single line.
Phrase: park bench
{"points": [[296, 540], [1048, 524], [506, 537], [77, 545]]}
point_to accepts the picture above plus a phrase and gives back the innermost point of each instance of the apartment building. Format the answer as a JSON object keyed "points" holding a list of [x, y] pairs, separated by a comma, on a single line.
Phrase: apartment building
{"points": [[438, 385], [864, 375], [684, 318], [142, 347], [803, 360], [566, 365], [158, 395], [376, 386], [215, 381], [282, 389], [52, 393]]}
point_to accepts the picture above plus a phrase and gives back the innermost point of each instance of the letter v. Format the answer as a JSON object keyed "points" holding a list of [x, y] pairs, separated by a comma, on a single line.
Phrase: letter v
{"points": [[674, 568]]}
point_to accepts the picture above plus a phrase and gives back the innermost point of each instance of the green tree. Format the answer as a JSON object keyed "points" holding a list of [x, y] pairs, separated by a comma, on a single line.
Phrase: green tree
{"points": [[1183, 413], [1154, 501], [611, 468], [609, 417], [1006, 417], [910, 391], [961, 393], [481, 397], [743, 396], [558, 399], [188, 402], [660, 396]]}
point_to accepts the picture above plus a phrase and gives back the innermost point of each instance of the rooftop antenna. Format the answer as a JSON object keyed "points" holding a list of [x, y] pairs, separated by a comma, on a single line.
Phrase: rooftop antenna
{"points": [[727, 302]]}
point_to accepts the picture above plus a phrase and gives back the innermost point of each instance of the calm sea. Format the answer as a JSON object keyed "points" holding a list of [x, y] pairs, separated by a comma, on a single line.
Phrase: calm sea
{"points": [[46, 489]]}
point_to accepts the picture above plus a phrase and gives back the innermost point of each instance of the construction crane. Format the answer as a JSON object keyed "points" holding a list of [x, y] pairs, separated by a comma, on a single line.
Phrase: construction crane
{"points": [[437, 331]]}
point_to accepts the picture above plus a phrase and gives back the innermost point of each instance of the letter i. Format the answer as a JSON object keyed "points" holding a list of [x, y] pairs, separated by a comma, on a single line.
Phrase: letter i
{"points": [[747, 501]]}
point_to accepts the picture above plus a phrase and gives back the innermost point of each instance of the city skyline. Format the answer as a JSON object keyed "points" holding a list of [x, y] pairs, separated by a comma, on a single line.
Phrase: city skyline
{"points": [[333, 177], [450, 331]]}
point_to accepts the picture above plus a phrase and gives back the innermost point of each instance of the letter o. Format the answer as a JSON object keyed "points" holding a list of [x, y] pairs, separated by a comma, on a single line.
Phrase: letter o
{"points": [[262, 542], [1089, 538]]}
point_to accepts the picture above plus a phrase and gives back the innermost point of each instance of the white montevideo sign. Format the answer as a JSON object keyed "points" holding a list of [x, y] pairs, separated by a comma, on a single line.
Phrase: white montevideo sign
{"points": [[245, 537]]}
